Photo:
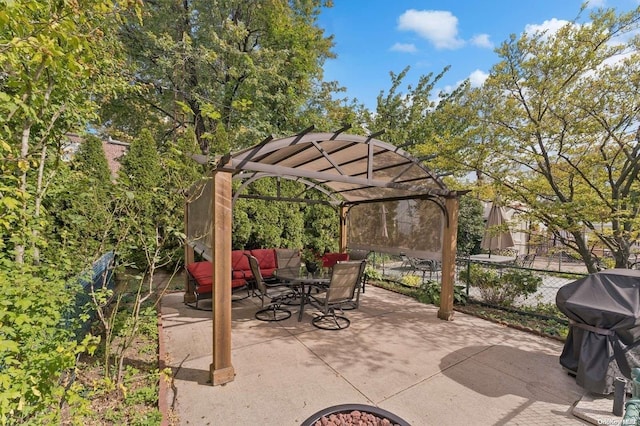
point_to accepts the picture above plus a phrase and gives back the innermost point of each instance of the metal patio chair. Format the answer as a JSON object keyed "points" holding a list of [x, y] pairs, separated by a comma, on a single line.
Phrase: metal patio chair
{"points": [[277, 296], [345, 281]]}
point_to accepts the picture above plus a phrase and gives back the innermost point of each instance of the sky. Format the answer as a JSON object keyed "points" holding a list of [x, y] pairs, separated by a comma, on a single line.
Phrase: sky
{"points": [[375, 37]]}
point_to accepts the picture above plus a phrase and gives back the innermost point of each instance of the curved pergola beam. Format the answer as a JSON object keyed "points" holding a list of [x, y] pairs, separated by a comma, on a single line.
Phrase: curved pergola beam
{"points": [[246, 181]]}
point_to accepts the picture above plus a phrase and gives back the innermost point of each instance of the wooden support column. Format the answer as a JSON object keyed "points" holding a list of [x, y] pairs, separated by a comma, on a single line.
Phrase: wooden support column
{"points": [[189, 295], [343, 229], [449, 246], [222, 211]]}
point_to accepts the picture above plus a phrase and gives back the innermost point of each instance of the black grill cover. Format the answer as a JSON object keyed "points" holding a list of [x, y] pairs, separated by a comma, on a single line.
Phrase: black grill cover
{"points": [[604, 314]]}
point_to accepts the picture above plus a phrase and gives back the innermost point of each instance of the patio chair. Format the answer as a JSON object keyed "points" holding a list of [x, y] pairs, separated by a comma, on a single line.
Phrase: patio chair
{"points": [[509, 253], [289, 259], [345, 280], [277, 296], [406, 263], [361, 255], [526, 261], [436, 268], [423, 266]]}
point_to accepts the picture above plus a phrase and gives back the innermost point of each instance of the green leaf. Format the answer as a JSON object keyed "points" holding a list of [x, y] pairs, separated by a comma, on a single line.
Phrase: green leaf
{"points": [[8, 346]]}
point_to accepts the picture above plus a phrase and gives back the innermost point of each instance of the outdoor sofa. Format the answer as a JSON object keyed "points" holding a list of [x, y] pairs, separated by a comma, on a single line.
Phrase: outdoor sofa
{"points": [[201, 273]]}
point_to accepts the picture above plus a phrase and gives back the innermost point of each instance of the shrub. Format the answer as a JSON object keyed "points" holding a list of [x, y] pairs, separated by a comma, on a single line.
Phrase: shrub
{"points": [[501, 288], [38, 344], [372, 274], [430, 293], [411, 280]]}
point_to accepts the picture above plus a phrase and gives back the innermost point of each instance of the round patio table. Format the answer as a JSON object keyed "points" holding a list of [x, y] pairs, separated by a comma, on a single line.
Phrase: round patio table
{"points": [[304, 282]]}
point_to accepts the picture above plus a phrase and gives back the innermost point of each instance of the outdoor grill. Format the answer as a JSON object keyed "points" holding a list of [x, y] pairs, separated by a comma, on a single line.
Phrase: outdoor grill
{"points": [[604, 336]]}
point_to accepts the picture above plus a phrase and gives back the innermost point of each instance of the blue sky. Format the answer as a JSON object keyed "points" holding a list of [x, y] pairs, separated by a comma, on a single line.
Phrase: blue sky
{"points": [[374, 37]]}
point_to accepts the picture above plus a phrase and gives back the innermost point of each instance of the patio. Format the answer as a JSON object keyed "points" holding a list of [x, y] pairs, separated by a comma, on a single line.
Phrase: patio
{"points": [[396, 355]]}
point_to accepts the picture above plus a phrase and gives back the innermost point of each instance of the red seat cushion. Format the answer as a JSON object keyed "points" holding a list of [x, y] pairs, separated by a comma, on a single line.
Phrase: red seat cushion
{"points": [[238, 283], [330, 259], [202, 273]]}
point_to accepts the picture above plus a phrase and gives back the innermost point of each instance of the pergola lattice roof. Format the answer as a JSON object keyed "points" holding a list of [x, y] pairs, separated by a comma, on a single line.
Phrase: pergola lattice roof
{"points": [[352, 168]]}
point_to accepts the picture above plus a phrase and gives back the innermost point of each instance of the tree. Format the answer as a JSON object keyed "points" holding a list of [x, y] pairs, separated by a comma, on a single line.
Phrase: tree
{"points": [[51, 56], [141, 179], [265, 223], [92, 160], [470, 226], [149, 207], [561, 114], [429, 126], [232, 70], [79, 208], [56, 61]]}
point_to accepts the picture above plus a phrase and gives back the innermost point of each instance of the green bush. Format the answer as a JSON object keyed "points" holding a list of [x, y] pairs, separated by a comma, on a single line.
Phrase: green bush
{"points": [[501, 288], [372, 274], [411, 280], [430, 293], [38, 346]]}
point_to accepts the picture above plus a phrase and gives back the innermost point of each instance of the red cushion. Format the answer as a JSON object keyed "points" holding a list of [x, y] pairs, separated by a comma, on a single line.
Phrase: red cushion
{"points": [[266, 258], [240, 275], [202, 289], [267, 261], [240, 265], [201, 270], [330, 259], [202, 273], [238, 283]]}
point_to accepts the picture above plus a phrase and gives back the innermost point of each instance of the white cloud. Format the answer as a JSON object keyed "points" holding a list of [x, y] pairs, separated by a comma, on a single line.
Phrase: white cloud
{"points": [[550, 26], [477, 78], [482, 40], [404, 47], [437, 26]]}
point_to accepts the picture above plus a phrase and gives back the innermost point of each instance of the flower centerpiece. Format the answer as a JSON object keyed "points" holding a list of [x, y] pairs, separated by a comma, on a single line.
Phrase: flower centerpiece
{"points": [[312, 260]]}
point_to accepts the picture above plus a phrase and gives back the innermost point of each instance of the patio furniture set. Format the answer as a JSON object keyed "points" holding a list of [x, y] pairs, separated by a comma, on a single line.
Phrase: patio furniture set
{"points": [[277, 277]]}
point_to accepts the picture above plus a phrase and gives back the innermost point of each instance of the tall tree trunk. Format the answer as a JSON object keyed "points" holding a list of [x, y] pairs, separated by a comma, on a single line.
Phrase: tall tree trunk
{"points": [[38, 203], [24, 152]]}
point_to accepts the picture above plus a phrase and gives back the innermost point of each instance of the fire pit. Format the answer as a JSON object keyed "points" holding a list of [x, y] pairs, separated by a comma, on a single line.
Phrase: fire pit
{"points": [[354, 414]]}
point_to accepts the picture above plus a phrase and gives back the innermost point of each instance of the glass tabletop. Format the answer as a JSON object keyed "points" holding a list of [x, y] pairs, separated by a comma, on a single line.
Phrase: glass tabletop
{"points": [[301, 276]]}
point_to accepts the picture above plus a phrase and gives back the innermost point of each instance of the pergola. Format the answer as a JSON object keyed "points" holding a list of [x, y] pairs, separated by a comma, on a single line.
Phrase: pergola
{"points": [[359, 175]]}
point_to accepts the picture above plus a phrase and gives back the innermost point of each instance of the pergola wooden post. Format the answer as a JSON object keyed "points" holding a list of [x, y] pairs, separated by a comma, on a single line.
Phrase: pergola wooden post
{"points": [[343, 229], [450, 239], [222, 208]]}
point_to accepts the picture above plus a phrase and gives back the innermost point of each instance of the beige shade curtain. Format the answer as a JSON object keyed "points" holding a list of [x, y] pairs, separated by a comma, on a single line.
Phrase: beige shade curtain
{"points": [[199, 216], [413, 227]]}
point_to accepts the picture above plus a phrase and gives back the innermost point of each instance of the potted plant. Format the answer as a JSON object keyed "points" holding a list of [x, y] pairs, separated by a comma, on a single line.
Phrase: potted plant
{"points": [[312, 260]]}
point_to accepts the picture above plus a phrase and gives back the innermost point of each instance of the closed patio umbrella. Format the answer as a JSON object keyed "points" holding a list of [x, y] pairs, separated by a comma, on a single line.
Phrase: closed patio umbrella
{"points": [[383, 219], [497, 235]]}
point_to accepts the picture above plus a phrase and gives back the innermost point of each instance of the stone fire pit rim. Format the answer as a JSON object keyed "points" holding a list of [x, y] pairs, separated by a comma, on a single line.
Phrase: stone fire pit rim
{"points": [[347, 408]]}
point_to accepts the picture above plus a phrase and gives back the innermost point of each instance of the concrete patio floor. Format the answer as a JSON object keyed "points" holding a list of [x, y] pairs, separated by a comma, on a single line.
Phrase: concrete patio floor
{"points": [[396, 355]]}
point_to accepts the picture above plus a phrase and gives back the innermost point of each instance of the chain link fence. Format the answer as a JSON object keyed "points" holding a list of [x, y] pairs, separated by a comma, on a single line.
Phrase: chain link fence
{"points": [[529, 290]]}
